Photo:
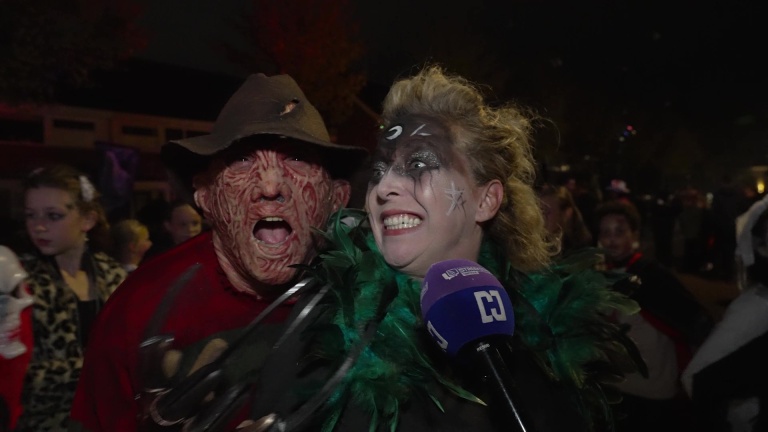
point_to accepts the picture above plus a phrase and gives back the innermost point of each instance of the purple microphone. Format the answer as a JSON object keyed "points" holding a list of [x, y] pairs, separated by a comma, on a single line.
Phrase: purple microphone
{"points": [[462, 302], [469, 315]]}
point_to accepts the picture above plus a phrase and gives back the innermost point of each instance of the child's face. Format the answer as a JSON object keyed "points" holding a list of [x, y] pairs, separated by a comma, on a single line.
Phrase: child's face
{"points": [[617, 237]]}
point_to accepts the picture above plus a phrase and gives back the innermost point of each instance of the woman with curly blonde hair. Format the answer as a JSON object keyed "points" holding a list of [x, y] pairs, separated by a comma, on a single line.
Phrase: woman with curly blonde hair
{"points": [[441, 123]]}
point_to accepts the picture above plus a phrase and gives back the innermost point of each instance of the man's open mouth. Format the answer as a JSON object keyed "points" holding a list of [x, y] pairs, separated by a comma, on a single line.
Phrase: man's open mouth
{"points": [[272, 230]]}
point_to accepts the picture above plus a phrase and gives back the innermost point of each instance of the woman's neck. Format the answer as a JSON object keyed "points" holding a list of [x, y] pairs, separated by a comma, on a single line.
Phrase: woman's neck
{"points": [[70, 260]]}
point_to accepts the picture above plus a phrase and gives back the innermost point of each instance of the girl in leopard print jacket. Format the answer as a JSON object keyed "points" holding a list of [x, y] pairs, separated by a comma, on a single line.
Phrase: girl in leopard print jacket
{"points": [[69, 283]]}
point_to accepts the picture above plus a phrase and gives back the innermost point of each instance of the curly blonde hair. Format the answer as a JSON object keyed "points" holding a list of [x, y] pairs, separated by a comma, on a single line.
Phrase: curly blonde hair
{"points": [[497, 143]]}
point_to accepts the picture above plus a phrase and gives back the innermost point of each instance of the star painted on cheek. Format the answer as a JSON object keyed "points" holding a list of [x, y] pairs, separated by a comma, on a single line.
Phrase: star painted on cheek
{"points": [[456, 196]]}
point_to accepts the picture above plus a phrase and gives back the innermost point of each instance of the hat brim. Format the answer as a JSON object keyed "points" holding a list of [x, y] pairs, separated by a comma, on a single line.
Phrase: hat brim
{"points": [[211, 144], [190, 156]]}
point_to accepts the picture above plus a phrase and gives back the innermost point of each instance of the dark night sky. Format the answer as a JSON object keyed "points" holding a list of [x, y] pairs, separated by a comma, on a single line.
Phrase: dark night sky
{"points": [[656, 63], [679, 52]]}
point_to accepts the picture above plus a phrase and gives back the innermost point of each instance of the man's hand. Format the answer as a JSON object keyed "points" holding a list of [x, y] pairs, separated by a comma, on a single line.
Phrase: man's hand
{"points": [[192, 403]]}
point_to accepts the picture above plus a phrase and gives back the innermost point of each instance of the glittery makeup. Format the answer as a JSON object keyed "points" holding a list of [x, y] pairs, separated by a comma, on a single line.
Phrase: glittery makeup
{"points": [[412, 148]]}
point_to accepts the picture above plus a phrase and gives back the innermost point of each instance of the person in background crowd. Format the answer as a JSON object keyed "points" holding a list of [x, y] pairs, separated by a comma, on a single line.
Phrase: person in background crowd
{"points": [[70, 279], [586, 198], [563, 219], [617, 190], [130, 241], [265, 177], [670, 326], [727, 378], [728, 202], [692, 224], [182, 222], [663, 219], [15, 337]]}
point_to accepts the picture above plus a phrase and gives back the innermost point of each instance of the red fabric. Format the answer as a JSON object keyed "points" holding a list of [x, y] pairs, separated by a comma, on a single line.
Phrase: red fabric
{"points": [[12, 371], [104, 400], [682, 350]]}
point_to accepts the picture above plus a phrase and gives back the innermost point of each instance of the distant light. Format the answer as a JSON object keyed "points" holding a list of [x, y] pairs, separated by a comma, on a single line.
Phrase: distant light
{"points": [[621, 139], [629, 127], [625, 133], [760, 186], [634, 132]]}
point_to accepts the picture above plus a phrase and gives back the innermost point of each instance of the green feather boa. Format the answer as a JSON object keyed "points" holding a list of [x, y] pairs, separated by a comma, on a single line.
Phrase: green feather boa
{"points": [[559, 315]]}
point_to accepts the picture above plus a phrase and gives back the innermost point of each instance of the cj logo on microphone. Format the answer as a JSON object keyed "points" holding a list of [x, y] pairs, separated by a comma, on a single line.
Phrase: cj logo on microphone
{"points": [[441, 342], [490, 301]]}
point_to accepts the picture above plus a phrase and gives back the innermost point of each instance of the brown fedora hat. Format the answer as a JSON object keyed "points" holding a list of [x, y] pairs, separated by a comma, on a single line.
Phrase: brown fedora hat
{"points": [[261, 106]]}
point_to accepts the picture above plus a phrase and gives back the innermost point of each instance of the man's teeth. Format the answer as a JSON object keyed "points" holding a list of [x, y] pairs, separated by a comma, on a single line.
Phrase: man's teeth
{"points": [[401, 222], [272, 219]]}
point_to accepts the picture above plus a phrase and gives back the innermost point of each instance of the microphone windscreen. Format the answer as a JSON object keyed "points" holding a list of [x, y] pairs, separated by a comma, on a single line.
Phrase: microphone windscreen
{"points": [[462, 302]]}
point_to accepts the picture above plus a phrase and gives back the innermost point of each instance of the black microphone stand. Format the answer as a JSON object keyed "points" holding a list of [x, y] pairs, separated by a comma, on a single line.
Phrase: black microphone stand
{"points": [[486, 356]]}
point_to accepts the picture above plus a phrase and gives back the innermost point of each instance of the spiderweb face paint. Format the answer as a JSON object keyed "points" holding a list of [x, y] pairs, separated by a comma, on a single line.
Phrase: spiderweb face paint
{"points": [[421, 197]]}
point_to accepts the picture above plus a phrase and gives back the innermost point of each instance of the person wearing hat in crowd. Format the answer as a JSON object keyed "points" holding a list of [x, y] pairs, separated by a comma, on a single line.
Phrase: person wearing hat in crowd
{"points": [[265, 177], [617, 190]]}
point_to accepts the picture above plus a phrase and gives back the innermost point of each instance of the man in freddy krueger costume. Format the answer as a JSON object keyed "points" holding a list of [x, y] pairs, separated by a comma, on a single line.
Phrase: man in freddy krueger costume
{"points": [[264, 178]]}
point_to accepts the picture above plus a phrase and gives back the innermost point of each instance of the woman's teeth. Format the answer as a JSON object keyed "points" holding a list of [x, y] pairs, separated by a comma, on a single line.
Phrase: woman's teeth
{"points": [[401, 222]]}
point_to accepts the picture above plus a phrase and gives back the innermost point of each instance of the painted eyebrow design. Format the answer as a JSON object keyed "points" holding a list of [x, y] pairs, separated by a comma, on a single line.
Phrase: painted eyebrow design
{"points": [[416, 132]]}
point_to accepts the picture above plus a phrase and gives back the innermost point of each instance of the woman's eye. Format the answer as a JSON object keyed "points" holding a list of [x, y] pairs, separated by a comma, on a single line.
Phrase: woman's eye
{"points": [[54, 216], [416, 165], [378, 170]]}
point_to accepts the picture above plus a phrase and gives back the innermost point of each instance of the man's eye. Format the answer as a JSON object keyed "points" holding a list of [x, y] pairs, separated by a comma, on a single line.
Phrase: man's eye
{"points": [[54, 216], [237, 160]]}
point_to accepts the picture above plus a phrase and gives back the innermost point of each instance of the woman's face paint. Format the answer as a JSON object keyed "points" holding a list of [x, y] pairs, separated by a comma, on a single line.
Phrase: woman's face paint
{"points": [[262, 204], [422, 199]]}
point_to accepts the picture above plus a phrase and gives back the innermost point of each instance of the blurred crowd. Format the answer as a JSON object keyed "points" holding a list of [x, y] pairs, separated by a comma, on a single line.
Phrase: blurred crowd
{"points": [[703, 370], [55, 279]]}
